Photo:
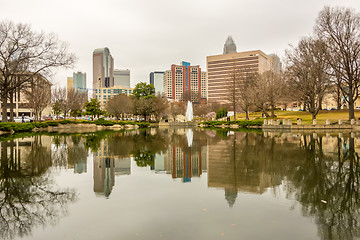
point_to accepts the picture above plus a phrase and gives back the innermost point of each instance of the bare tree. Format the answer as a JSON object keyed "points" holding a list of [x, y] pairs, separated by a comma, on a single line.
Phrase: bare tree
{"points": [[161, 106], [268, 91], [201, 109], [306, 71], [177, 108], [24, 54], [339, 28], [119, 105], [76, 101], [60, 97], [246, 85], [234, 85], [38, 94]]}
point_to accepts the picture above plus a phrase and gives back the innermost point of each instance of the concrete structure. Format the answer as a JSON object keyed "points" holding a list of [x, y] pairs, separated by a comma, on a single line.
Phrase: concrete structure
{"points": [[157, 80], [185, 81], [103, 68], [220, 67], [105, 94], [122, 77], [79, 82]]}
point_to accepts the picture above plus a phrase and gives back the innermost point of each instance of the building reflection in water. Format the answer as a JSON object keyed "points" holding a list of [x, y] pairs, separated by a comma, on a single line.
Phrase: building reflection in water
{"points": [[77, 155], [186, 157], [106, 166], [234, 164]]}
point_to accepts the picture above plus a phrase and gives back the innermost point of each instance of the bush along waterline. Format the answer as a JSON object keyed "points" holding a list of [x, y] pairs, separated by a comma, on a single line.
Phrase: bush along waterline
{"points": [[232, 124], [9, 127]]}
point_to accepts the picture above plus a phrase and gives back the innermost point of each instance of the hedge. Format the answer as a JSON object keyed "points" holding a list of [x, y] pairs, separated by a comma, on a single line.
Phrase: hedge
{"points": [[240, 123]]}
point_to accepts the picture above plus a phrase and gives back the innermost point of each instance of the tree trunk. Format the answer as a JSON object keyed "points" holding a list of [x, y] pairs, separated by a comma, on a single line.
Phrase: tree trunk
{"points": [[339, 103], [351, 108], [273, 111], [234, 112], [11, 107], [247, 113], [4, 108], [313, 116], [265, 113]]}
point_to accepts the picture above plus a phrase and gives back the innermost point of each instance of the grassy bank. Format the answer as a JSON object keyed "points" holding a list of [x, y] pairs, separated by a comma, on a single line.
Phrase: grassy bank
{"points": [[27, 127], [333, 115]]}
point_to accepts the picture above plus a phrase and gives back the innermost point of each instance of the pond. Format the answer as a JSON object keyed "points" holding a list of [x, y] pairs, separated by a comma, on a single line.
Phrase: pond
{"points": [[177, 183]]}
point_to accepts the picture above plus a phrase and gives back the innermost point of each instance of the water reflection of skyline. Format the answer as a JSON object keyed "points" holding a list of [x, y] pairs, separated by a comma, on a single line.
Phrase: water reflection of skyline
{"points": [[319, 171]]}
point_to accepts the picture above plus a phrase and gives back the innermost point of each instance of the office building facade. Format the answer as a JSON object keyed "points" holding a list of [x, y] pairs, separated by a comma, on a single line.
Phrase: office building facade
{"points": [[103, 68], [105, 94], [185, 82], [157, 80], [122, 77], [220, 68]]}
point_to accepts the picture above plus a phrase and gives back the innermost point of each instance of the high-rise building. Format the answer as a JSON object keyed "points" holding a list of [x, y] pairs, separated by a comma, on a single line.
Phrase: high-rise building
{"points": [[70, 83], [79, 82], [157, 80], [229, 46], [185, 82], [103, 68], [220, 68], [122, 77]]}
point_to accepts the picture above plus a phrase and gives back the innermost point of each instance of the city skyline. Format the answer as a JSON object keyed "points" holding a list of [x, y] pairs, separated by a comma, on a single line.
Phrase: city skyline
{"points": [[142, 34]]}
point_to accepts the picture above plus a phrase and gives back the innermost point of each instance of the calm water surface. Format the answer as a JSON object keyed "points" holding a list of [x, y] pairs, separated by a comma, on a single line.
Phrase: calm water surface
{"points": [[180, 184]]}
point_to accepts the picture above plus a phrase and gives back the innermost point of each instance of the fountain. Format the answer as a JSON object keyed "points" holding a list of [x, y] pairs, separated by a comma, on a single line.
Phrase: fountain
{"points": [[189, 112], [189, 136]]}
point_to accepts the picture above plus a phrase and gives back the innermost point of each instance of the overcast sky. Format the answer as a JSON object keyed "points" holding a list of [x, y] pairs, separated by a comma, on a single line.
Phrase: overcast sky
{"points": [[150, 35]]}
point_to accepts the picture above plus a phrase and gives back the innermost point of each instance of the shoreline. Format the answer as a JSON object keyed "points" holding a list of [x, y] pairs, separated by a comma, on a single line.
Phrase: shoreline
{"points": [[74, 128]]}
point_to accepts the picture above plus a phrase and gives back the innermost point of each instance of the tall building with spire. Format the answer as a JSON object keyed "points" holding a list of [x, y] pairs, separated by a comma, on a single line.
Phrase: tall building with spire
{"points": [[229, 46], [221, 67], [103, 68]]}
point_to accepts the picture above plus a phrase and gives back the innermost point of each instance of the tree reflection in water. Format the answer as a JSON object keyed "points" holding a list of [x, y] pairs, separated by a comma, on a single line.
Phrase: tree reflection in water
{"points": [[324, 179], [327, 186], [28, 197]]}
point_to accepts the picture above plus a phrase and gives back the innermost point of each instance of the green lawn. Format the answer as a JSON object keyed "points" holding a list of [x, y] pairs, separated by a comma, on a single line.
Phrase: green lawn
{"points": [[333, 115]]}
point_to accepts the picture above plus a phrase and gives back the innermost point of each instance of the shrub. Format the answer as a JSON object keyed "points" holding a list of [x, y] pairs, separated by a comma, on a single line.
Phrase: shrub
{"points": [[221, 113], [240, 123], [52, 123], [67, 122], [103, 122]]}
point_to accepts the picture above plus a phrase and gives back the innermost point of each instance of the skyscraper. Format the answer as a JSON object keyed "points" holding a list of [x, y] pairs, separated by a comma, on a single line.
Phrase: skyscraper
{"points": [[157, 80], [79, 82], [103, 68], [229, 46], [185, 82], [122, 77]]}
